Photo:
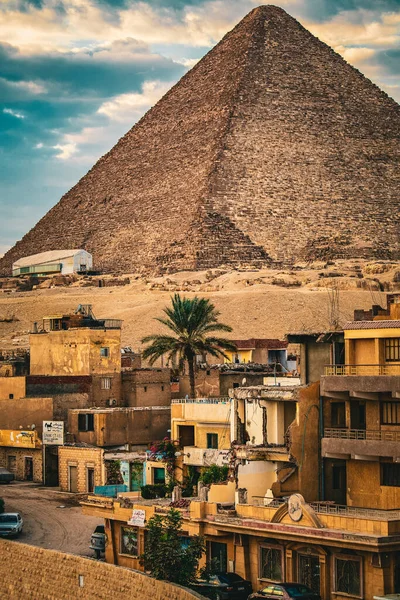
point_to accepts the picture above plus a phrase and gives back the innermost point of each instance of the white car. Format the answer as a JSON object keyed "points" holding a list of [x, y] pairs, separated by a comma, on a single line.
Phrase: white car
{"points": [[10, 524]]}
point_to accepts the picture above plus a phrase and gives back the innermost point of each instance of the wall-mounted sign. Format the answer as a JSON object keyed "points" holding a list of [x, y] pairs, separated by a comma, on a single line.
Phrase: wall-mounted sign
{"points": [[53, 433], [295, 507], [138, 518]]}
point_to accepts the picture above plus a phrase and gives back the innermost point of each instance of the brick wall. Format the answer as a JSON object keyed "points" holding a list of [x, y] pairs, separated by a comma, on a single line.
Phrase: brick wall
{"points": [[82, 458], [40, 574], [20, 455]]}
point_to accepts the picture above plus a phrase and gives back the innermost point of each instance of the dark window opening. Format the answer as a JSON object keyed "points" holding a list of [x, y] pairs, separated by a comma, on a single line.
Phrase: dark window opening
{"points": [[104, 352], [390, 474], [186, 435], [348, 576], [85, 422], [235, 385], [11, 396], [271, 564], [338, 414], [129, 541], [145, 388], [212, 441], [162, 388]]}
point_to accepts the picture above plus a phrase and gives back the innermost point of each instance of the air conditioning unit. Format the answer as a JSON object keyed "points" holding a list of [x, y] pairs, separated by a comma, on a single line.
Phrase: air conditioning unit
{"points": [[111, 402]]}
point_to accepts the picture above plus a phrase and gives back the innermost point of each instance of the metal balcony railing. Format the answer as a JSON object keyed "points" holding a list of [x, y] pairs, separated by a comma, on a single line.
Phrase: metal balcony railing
{"points": [[219, 400], [372, 370], [330, 508], [362, 434]]}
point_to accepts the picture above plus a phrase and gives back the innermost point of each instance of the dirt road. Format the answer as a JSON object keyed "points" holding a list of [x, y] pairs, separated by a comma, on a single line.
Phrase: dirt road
{"points": [[51, 519]]}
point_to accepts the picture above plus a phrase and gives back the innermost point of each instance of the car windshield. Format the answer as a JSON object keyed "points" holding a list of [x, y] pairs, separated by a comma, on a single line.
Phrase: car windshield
{"points": [[229, 578], [297, 591], [8, 519]]}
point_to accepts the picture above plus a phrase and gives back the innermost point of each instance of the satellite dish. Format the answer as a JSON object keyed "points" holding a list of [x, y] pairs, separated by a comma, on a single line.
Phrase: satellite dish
{"points": [[33, 426], [244, 381]]}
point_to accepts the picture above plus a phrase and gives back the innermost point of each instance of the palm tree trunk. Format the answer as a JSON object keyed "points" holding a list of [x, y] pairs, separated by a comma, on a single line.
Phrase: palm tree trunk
{"points": [[190, 359]]}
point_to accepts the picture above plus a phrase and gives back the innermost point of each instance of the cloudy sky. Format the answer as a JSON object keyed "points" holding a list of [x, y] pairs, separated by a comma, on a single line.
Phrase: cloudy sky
{"points": [[75, 75]]}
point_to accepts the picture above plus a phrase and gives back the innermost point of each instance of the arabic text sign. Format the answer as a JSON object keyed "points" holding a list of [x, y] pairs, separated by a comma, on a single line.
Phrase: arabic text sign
{"points": [[138, 518], [53, 433]]}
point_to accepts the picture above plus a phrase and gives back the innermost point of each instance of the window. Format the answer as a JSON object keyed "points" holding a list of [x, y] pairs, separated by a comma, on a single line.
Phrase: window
{"points": [[145, 388], [162, 388], [104, 352], [392, 349], [390, 474], [390, 414], [338, 477], [106, 383], [129, 541], [348, 575], [158, 475], [212, 440], [271, 564], [85, 422], [11, 396], [338, 414], [235, 385]]}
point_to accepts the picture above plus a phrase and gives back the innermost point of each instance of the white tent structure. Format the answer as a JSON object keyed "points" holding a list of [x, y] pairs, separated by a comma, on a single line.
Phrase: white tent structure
{"points": [[63, 262]]}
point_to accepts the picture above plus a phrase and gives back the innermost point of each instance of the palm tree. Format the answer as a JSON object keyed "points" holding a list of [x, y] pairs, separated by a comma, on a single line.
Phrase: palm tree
{"points": [[191, 320]]}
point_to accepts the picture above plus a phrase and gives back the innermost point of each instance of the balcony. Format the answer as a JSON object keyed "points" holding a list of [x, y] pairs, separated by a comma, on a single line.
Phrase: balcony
{"points": [[359, 444], [362, 370], [362, 434], [204, 457], [219, 400], [272, 452]]}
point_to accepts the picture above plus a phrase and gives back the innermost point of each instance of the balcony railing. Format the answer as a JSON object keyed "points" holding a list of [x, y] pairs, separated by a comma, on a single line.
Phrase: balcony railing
{"points": [[330, 508], [375, 514], [362, 370], [362, 434], [219, 400]]}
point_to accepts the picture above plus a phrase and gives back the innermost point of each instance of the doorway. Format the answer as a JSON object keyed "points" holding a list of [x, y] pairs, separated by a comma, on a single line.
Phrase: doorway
{"points": [[357, 415], [186, 435], [218, 556], [28, 468], [336, 480], [12, 464], [73, 478], [309, 572], [90, 480]]}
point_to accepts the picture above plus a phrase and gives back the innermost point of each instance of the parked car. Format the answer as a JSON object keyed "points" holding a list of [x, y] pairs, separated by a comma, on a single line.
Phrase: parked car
{"points": [[285, 591], [224, 586], [98, 540], [10, 524], [6, 476]]}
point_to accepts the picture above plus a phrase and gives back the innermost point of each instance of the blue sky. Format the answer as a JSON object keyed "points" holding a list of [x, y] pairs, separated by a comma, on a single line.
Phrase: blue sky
{"points": [[75, 75]]}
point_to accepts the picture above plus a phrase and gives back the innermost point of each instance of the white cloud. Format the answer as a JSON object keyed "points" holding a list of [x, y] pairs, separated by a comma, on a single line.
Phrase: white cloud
{"points": [[66, 150], [39, 146], [128, 107], [358, 28], [187, 62], [13, 113], [28, 86]]}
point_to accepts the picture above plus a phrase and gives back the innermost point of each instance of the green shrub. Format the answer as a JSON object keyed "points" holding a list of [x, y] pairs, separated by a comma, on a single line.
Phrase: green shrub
{"points": [[214, 474], [150, 492]]}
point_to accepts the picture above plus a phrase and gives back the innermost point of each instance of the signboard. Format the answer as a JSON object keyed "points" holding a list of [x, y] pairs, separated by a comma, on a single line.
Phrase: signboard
{"points": [[16, 438], [53, 433], [138, 518]]}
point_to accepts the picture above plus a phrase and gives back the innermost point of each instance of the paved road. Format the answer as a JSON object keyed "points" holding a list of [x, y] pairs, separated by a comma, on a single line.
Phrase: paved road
{"points": [[46, 523]]}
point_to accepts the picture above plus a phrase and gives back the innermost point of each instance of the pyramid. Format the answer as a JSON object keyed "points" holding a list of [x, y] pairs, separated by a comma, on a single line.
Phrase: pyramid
{"points": [[271, 149]]}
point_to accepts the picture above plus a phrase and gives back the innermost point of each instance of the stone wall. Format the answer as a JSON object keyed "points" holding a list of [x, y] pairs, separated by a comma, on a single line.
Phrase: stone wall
{"points": [[39, 574], [83, 459]]}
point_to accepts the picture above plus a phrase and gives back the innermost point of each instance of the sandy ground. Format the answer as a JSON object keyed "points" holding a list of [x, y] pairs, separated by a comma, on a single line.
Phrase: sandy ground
{"points": [[255, 303], [46, 524]]}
